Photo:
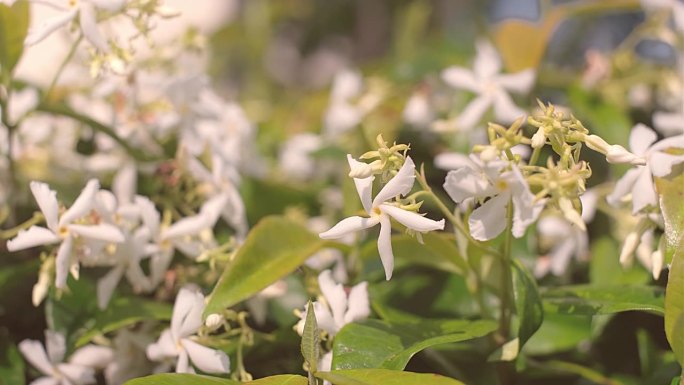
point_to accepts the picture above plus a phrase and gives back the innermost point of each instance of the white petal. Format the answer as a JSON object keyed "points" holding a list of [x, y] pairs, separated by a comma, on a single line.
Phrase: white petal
{"points": [[183, 363], [643, 192], [400, 184], [661, 163], [102, 232], [487, 61], [489, 220], [519, 82], [55, 344], [45, 381], [186, 303], [34, 353], [560, 256], [124, 184], [641, 138], [206, 359], [385, 246], [63, 262], [461, 78], [188, 226], [212, 208], [93, 356], [364, 186], [35, 35], [505, 110], [669, 123], [452, 161], [34, 236], [163, 348], [358, 307], [525, 212], [412, 220], [109, 5], [79, 375], [325, 364], [88, 21], [464, 183], [335, 296], [106, 286], [47, 201], [589, 203], [149, 214], [472, 114], [349, 225], [624, 186], [83, 203], [159, 264]]}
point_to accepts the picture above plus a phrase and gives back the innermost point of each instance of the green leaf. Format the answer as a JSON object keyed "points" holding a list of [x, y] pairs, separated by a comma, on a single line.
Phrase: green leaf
{"points": [[528, 304], [378, 344], [559, 333], [384, 377], [598, 299], [123, 311], [274, 248], [672, 206], [14, 22], [11, 365], [605, 268], [310, 345], [180, 379], [283, 379], [438, 251]]}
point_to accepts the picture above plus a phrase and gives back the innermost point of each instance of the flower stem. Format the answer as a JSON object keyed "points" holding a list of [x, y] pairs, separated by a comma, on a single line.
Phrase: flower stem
{"points": [[62, 66], [9, 233], [506, 370]]}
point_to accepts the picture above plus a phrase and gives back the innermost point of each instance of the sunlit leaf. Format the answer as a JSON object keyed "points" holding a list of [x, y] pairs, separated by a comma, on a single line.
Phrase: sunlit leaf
{"points": [[384, 377], [14, 22], [274, 248], [180, 379], [599, 299]]}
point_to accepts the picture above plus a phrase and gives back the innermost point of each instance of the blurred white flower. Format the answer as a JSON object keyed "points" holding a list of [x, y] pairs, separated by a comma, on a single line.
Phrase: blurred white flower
{"points": [[65, 228], [638, 182], [295, 156], [380, 210], [50, 361], [503, 184], [418, 112], [336, 308], [178, 344], [490, 86]]}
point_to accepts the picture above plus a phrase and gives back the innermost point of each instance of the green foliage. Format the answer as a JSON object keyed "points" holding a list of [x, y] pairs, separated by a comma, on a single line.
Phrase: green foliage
{"points": [[384, 377], [378, 344], [14, 23], [310, 342], [11, 363], [180, 379], [672, 205], [283, 379], [601, 299], [274, 248], [528, 303], [559, 333]]}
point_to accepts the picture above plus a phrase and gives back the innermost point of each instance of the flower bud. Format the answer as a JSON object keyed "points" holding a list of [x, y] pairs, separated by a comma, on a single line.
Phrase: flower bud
{"points": [[618, 154], [539, 138], [631, 243], [213, 321], [361, 170]]}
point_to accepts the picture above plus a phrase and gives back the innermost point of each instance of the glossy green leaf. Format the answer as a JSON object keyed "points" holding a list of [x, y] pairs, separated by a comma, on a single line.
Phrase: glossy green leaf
{"points": [[384, 377], [283, 379], [180, 379], [14, 22], [528, 304], [123, 311], [597, 299], [274, 248], [378, 344], [605, 267], [559, 333], [11, 365], [672, 206], [310, 345]]}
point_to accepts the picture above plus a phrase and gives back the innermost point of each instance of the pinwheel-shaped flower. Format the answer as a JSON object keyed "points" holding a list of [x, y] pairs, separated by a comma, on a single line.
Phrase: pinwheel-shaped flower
{"points": [[64, 228], [177, 343], [490, 85], [381, 209], [639, 181]]}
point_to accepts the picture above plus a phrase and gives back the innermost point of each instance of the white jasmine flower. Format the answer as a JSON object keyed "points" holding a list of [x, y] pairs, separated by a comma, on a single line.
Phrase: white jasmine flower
{"points": [[51, 363], [493, 180], [295, 156], [669, 123], [179, 343], [342, 114], [418, 111], [490, 86], [65, 228], [258, 304], [380, 210], [336, 308], [86, 11], [639, 181]]}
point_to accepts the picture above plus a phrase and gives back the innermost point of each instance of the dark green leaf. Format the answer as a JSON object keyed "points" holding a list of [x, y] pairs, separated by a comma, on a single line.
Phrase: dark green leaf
{"points": [[384, 377], [528, 304], [11, 365], [123, 312], [378, 344], [180, 379], [14, 22], [597, 299], [274, 248], [672, 205]]}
